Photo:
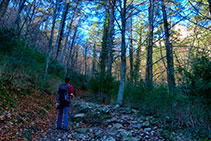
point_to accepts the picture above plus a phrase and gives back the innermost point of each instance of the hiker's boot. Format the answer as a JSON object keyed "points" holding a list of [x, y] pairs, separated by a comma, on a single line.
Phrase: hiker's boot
{"points": [[59, 128], [66, 128]]}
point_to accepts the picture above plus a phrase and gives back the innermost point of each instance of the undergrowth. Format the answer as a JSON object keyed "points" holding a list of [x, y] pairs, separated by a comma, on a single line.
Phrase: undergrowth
{"points": [[24, 106], [187, 111]]}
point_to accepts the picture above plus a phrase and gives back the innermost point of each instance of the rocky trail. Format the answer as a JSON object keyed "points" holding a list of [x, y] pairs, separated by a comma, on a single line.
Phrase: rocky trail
{"points": [[89, 121]]}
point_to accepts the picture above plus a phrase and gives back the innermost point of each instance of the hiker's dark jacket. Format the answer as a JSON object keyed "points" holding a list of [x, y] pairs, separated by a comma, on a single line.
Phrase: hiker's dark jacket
{"points": [[66, 103]]}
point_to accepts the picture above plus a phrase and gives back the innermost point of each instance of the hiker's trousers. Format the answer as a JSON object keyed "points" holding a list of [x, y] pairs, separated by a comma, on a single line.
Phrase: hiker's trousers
{"points": [[60, 117]]}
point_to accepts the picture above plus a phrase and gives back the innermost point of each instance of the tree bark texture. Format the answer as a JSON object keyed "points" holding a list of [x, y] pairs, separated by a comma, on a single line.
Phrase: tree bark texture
{"points": [[123, 54], [169, 53], [210, 6], [17, 19], [29, 17], [85, 58], [149, 73], [94, 60], [68, 33], [3, 6], [110, 39], [61, 30], [131, 48], [138, 60], [69, 55], [50, 42], [104, 50]]}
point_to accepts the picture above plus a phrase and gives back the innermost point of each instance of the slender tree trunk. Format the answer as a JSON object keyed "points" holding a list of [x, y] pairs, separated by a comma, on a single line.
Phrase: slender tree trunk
{"points": [[29, 17], [104, 51], [169, 53], [50, 42], [94, 60], [3, 6], [138, 60], [111, 29], [149, 73], [131, 48], [210, 6], [123, 55], [68, 33], [85, 58], [17, 19], [46, 26], [75, 65], [71, 48], [61, 30]]}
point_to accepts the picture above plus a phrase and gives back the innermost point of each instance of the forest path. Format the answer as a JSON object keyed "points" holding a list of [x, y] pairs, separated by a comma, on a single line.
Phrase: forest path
{"points": [[90, 121]]}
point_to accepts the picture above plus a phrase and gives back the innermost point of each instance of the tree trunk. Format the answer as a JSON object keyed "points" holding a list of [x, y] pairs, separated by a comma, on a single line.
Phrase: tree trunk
{"points": [[123, 55], [61, 30], [210, 6], [71, 48], [169, 54], [138, 60], [94, 60], [104, 51], [75, 62], [131, 48], [3, 6], [30, 17], [85, 58], [68, 33], [110, 39], [149, 73], [50, 42], [17, 19]]}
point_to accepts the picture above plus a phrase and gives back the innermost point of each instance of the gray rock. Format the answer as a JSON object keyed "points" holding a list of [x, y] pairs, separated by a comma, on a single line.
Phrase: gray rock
{"points": [[116, 106], [125, 134], [146, 123], [110, 139], [69, 136], [147, 129], [133, 139], [149, 117], [134, 111], [80, 136], [117, 125], [137, 125], [90, 130], [98, 133], [112, 132], [147, 132], [106, 110], [134, 122], [81, 115], [82, 130], [103, 138], [146, 137]]}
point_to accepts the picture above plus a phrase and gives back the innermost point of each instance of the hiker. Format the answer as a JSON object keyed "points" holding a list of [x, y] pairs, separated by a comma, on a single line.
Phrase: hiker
{"points": [[63, 100]]}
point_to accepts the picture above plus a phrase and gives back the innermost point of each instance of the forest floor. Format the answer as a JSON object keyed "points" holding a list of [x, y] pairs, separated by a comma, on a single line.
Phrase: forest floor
{"points": [[90, 121], [34, 118]]}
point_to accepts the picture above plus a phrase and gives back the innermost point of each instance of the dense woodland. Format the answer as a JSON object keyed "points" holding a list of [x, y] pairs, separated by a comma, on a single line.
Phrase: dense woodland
{"points": [[151, 55]]}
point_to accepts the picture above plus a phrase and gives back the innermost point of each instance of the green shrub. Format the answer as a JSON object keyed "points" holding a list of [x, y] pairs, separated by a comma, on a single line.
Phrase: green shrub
{"points": [[196, 82], [23, 66], [196, 86], [150, 101], [77, 79], [104, 88], [8, 39]]}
